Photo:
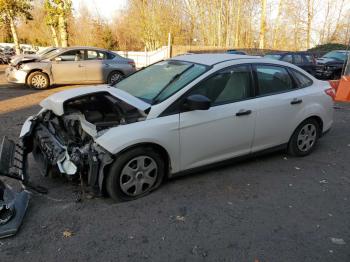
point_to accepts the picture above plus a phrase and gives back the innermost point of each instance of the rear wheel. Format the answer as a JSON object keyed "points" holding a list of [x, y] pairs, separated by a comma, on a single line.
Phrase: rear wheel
{"points": [[38, 80], [114, 77], [135, 173], [304, 138]]}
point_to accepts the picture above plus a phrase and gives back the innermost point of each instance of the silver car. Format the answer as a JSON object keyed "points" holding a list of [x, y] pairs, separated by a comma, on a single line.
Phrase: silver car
{"points": [[73, 65]]}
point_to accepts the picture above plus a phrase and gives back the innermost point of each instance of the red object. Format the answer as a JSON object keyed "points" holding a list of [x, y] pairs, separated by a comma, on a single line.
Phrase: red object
{"points": [[331, 92], [132, 63]]}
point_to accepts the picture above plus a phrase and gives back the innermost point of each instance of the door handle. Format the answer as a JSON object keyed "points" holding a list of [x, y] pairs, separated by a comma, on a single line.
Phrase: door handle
{"points": [[243, 112], [296, 101]]}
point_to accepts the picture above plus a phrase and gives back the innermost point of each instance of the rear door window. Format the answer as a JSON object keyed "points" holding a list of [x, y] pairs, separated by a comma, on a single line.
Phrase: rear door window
{"points": [[273, 79], [96, 55]]}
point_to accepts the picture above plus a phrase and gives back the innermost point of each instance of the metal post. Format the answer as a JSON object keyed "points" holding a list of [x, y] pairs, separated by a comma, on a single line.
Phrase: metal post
{"points": [[169, 46]]}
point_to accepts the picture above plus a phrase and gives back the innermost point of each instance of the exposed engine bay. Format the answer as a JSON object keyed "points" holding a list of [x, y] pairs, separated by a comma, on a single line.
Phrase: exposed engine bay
{"points": [[65, 143]]}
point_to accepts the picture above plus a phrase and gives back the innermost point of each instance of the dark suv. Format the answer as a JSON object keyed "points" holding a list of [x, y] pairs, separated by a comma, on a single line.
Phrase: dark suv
{"points": [[330, 65], [304, 60]]}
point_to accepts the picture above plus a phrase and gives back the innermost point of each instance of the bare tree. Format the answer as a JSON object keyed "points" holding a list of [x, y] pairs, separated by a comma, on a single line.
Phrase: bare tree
{"points": [[10, 11], [310, 16], [262, 25], [52, 20]]}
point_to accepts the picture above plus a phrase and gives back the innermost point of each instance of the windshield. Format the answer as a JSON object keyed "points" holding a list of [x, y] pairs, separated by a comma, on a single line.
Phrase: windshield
{"points": [[161, 80], [336, 55], [51, 54], [45, 51], [275, 57]]}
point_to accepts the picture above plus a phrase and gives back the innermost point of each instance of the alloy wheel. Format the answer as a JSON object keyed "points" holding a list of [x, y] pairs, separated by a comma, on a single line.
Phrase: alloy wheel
{"points": [[39, 81], [115, 78]]}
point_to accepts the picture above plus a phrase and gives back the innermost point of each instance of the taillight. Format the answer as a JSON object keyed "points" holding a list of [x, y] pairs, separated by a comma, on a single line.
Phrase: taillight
{"points": [[330, 92], [132, 63]]}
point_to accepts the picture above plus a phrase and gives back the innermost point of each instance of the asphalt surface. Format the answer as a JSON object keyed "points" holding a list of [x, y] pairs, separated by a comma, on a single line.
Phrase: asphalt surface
{"points": [[266, 209]]}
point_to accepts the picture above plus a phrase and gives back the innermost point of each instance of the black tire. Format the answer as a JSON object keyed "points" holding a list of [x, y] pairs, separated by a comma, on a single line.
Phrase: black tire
{"points": [[114, 77], [304, 144], [38, 80], [115, 177]]}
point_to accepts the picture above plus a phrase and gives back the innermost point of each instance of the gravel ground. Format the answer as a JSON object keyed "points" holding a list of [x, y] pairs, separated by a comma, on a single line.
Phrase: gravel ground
{"points": [[266, 209]]}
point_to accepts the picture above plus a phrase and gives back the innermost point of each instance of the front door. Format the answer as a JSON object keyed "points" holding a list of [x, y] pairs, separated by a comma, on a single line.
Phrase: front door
{"points": [[225, 130]]}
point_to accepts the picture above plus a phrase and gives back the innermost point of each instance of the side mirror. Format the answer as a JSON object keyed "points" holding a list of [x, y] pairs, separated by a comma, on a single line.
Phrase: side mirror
{"points": [[57, 59], [197, 102]]}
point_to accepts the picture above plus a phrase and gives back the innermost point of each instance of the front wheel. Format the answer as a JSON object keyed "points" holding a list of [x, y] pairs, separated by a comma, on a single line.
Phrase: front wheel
{"points": [[134, 174], [38, 80], [304, 138]]}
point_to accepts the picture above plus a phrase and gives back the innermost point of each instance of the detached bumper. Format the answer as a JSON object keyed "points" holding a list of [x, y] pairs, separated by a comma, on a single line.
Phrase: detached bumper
{"points": [[15, 76], [12, 205]]}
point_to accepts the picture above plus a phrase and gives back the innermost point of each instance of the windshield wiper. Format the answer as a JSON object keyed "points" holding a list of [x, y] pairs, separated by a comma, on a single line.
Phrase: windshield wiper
{"points": [[172, 80]]}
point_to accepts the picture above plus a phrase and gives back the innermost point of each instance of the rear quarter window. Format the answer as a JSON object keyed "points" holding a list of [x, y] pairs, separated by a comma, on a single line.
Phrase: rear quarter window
{"points": [[110, 56], [301, 79]]}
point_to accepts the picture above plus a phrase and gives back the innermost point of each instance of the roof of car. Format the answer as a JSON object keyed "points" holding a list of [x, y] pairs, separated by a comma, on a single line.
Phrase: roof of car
{"points": [[288, 52], [211, 59], [82, 47]]}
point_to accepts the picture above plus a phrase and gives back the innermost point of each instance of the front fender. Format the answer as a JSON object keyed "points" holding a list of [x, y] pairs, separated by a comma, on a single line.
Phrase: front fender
{"points": [[163, 132]]}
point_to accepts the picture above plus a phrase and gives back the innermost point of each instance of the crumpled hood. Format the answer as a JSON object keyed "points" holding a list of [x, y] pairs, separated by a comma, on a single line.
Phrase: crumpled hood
{"points": [[15, 60], [55, 102]]}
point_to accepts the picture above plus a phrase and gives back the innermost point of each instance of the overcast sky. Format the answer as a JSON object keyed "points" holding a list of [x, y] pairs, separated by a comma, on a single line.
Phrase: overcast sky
{"points": [[104, 8]]}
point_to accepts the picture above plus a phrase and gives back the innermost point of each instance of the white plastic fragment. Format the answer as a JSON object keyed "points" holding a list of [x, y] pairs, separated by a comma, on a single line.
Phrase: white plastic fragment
{"points": [[338, 241]]}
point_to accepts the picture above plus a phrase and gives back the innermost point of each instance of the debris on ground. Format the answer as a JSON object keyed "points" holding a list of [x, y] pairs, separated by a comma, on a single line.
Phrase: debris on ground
{"points": [[180, 218], [67, 233], [198, 251], [338, 241], [297, 168], [323, 181]]}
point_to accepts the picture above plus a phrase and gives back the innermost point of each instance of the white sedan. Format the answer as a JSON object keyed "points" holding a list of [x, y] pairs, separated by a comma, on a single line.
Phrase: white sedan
{"points": [[176, 116]]}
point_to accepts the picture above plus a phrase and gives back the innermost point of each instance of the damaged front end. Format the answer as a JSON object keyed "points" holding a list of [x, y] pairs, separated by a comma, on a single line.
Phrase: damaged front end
{"points": [[62, 136]]}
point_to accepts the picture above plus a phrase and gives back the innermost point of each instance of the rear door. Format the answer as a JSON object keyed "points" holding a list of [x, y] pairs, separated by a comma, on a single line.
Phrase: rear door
{"points": [[95, 66], [225, 130], [279, 102], [69, 68]]}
